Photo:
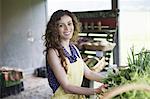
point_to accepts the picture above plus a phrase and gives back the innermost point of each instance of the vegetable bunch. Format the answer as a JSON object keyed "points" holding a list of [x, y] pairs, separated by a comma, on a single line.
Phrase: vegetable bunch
{"points": [[138, 71]]}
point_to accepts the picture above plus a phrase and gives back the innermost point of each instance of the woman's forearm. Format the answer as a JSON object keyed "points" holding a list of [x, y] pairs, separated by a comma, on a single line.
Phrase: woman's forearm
{"points": [[70, 89], [94, 76], [91, 75]]}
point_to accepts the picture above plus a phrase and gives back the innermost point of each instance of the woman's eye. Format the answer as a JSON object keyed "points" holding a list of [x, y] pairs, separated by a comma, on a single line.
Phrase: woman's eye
{"points": [[60, 25], [69, 23]]}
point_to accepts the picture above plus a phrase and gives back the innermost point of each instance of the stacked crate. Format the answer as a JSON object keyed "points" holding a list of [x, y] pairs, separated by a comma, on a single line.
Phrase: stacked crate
{"points": [[10, 81]]}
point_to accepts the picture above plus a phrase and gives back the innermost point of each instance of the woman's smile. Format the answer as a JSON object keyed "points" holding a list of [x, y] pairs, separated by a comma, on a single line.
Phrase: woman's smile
{"points": [[67, 33]]}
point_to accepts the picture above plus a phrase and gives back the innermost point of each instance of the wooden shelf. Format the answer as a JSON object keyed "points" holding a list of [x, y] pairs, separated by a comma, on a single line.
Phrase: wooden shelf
{"points": [[99, 31]]}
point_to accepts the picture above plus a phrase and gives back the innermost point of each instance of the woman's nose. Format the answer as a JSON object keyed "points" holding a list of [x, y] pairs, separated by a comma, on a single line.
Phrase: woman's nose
{"points": [[66, 27]]}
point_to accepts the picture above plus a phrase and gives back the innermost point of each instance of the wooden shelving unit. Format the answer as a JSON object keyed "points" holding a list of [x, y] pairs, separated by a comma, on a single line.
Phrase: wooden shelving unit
{"points": [[97, 26]]}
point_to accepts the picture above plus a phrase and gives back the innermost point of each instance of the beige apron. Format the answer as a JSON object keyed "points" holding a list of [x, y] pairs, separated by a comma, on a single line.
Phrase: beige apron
{"points": [[75, 76]]}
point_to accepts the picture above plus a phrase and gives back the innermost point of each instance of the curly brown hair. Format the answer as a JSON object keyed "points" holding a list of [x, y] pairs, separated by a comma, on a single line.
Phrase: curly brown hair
{"points": [[52, 38]]}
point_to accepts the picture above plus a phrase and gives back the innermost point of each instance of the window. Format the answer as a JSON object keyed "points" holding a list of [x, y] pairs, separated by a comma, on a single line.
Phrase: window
{"points": [[78, 5], [134, 26]]}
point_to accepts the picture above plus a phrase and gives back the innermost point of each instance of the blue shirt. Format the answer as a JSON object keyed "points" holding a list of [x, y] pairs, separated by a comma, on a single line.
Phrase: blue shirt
{"points": [[54, 84]]}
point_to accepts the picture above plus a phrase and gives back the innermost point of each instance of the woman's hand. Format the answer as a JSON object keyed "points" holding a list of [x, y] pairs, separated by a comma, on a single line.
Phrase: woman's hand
{"points": [[101, 89]]}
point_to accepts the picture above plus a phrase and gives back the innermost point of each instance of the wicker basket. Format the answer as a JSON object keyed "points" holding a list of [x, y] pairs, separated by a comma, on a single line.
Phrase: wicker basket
{"points": [[100, 65], [99, 46]]}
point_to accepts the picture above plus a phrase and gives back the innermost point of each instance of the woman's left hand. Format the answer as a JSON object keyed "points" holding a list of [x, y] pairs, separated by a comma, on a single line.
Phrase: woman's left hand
{"points": [[101, 89]]}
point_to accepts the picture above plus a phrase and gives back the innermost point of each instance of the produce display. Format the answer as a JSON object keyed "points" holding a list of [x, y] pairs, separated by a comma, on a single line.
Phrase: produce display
{"points": [[132, 82], [11, 76]]}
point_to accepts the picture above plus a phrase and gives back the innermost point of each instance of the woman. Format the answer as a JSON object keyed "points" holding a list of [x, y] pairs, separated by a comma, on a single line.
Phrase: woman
{"points": [[64, 63]]}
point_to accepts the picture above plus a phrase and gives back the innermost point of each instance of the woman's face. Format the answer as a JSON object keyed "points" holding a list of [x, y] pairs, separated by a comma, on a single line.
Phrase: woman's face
{"points": [[65, 27]]}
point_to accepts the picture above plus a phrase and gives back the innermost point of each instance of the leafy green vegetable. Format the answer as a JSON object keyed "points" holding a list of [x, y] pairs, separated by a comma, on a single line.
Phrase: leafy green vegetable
{"points": [[138, 71]]}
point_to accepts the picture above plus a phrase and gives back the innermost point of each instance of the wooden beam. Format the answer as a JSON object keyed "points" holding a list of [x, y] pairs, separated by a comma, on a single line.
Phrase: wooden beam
{"points": [[114, 4]]}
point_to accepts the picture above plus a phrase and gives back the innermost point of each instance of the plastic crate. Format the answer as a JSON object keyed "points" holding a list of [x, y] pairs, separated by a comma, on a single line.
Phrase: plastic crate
{"points": [[11, 83], [10, 87], [0, 83]]}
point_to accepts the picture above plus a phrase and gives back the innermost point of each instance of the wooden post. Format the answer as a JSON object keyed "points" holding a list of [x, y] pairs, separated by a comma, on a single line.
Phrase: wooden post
{"points": [[114, 4]]}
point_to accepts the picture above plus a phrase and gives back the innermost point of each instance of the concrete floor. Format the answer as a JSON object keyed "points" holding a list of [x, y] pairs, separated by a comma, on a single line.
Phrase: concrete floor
{"points": [[34, 88], [38, 88]]}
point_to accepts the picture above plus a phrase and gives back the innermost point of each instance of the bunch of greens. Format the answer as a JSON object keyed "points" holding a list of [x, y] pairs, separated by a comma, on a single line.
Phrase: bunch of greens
{"points": [[138, 71]]}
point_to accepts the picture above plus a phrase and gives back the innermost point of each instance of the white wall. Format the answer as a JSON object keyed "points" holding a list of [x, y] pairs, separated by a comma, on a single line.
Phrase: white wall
{"points": [[0, 33], [23, 25]]}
